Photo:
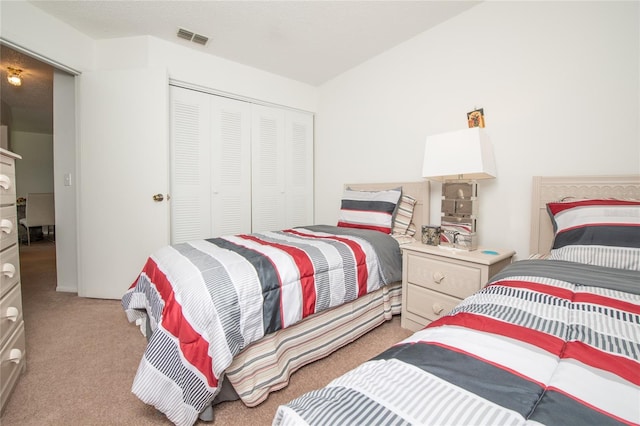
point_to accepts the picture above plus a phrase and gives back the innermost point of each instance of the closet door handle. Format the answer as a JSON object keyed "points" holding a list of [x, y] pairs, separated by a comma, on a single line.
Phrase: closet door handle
{"points": [[158, 197]]}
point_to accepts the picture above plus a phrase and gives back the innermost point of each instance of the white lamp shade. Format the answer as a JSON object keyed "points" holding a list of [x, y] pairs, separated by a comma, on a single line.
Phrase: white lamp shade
{"points": [[462, 154]]}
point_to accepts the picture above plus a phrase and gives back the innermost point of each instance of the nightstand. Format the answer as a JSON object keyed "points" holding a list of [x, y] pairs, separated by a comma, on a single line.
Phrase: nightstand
{"points": [[435, 279]]}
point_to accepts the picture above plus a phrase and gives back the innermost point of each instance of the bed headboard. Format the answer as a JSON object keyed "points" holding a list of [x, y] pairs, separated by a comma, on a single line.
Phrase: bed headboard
{"points": [[418, 190], [554, 188]]}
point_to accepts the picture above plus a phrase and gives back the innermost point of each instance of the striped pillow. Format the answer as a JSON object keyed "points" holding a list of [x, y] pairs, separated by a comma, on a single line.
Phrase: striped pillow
{"points": [[368, 209], [404, 214], [611, 257], [603, 232]]}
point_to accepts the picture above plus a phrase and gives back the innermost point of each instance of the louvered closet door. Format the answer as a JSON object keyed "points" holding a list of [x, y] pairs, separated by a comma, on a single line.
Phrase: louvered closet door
{"points": [[268, 168], [230, 166], [190, 165], [299, 169], [211, 162]]}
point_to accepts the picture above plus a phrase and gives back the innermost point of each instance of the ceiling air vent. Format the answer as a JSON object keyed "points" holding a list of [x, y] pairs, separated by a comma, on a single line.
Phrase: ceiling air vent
{"points": [[200, 39], [187, 35], [191, 36]]}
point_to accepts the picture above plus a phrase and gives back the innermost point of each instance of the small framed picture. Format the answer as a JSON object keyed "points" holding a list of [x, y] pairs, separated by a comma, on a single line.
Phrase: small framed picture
{"points": [[431, 235], [475, 118]]}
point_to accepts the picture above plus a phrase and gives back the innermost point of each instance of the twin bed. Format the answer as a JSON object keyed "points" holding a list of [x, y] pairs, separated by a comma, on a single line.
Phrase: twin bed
{"points": [[548, 341], [553, 340], [240, 350]]}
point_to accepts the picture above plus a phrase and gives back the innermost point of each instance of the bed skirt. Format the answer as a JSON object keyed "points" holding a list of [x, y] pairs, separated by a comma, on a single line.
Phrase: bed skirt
{"points": [[266, 365]]}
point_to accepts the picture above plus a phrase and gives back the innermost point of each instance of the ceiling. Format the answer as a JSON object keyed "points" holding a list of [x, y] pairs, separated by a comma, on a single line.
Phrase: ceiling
{"points": [[308, 41], [30, 105]]}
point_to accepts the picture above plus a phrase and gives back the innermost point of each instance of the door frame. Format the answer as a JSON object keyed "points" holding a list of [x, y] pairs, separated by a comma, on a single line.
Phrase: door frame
{"points": [[65, 161]]}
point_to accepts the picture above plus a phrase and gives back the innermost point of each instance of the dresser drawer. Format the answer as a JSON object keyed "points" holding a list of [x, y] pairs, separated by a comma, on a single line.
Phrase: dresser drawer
{"points": [[9, 268], [429, 304], [10, 313], [12, 363], [7, 181], [8, 226], [458, 280]]}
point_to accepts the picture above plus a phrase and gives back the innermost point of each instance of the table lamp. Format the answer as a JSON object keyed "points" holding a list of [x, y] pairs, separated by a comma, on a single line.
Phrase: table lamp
{"points": [[459, 159]]}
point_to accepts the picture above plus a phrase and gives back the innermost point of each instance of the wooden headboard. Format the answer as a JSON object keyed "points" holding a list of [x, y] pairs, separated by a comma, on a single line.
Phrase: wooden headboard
{"points": [[418, 190], [549, 188]]}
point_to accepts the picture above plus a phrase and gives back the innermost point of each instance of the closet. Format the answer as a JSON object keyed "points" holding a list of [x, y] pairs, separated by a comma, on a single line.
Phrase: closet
{"points": [[237, 166]]}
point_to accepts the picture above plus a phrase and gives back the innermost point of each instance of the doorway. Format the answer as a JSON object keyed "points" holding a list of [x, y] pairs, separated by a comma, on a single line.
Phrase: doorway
{"points": [[46, 142]]}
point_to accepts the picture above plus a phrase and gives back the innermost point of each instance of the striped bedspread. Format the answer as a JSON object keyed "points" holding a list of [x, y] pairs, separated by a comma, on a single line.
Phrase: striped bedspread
{"points": [[547, 342], [207, 300]]}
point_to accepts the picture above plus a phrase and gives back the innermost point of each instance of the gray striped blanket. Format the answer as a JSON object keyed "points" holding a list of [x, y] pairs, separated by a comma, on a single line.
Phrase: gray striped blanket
{"points": [[207, 300], [539, 345]]}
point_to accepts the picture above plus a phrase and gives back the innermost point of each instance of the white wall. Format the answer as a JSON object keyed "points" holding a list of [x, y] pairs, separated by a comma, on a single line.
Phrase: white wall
{"points": [[199, 69], [28, 27], [559, 83], [34, 173], [64, 153]]}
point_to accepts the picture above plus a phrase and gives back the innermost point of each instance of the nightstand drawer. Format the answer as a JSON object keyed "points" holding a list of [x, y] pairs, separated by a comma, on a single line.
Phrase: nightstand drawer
{"points": [[435, 280], [429, 304], [446, 277]]}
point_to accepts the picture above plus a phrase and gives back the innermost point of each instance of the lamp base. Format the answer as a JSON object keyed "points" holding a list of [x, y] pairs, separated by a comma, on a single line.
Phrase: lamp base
{"points": [[460, 241]]}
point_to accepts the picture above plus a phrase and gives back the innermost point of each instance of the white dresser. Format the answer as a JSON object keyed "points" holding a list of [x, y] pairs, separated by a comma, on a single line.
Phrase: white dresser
{"points": [[12, 340]]}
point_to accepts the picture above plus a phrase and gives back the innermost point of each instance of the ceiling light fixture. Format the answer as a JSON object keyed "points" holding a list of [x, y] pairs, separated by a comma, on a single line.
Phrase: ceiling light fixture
{"points": [[14, 77]]}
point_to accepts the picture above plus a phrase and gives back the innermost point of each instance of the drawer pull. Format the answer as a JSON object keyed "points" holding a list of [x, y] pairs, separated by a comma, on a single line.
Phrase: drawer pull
{"points": [[5, 182], [438, 277], [15, 356], [437, 309], [8, 270], [6, 225], [12, 313]]}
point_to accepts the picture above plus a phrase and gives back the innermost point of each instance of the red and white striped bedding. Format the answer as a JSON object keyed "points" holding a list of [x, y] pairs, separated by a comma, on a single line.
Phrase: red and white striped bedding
{"points": [[547, 342], [207, 300]]}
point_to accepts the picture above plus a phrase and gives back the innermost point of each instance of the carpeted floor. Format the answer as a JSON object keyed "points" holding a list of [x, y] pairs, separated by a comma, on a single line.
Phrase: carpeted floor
{"points": [[82, 355]]}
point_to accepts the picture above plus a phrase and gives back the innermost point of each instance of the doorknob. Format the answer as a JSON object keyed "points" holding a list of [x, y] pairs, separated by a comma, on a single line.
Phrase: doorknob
{"points": [[158, 197]]}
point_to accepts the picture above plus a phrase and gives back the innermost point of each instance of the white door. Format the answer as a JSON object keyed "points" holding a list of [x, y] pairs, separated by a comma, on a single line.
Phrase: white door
{"points": [[299, 169], [210, 165], [268, 168], [190, 165], [123, 163], [230, 166]]}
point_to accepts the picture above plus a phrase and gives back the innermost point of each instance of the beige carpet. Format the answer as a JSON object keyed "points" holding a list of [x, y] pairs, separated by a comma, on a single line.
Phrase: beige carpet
{"points": [[82, 355]]}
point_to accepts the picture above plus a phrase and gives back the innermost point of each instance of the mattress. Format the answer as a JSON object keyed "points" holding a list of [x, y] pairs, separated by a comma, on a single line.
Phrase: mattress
{"points": [[546, 342]]}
